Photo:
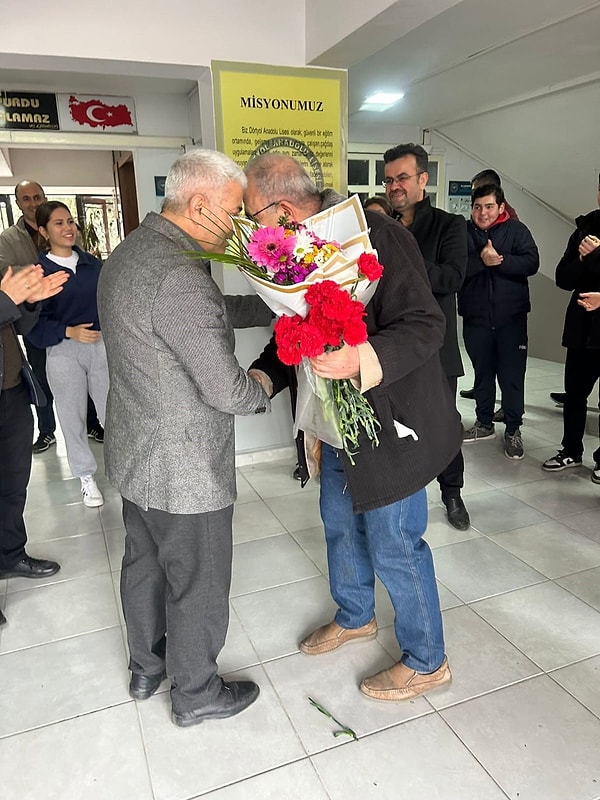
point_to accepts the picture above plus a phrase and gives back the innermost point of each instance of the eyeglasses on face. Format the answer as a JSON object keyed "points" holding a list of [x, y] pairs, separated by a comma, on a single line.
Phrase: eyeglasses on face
{"points": [[256, 213], [399, 179]]}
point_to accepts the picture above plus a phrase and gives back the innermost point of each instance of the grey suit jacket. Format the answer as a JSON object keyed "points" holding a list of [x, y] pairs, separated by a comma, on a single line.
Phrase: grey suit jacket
{"points": [[175, 383]]}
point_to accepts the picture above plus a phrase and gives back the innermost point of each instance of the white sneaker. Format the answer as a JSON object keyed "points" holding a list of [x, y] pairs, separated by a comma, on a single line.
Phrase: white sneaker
{"points": [[92, 496]]}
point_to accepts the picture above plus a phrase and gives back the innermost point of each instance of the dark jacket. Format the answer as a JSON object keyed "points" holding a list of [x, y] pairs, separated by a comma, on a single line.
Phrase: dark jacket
{"points": [[20, 318], [492, 296], [582, 328], [442, 240], [75, 305], [406, 330]]}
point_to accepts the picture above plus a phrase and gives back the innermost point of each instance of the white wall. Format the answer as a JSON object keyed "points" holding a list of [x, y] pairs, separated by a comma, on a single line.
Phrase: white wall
{"points": [[359, 131], [162, 114], [148, 163], [180, 32]]}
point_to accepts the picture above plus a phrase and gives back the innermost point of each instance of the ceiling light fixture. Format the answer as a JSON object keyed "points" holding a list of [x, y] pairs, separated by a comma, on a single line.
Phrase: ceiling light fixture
{"points": [[381, 101]]}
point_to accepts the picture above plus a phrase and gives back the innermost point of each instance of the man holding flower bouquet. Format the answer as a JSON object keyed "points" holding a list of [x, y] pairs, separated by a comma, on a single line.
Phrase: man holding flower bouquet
{"points": [[372, 500]]}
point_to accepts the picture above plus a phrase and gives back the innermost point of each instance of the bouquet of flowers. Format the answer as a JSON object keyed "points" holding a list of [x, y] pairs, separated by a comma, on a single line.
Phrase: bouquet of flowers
{"points": [[317, 276]]}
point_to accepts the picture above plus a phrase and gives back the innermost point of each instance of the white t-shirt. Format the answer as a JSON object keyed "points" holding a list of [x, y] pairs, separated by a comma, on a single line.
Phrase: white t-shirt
{"points": [[65, 261]]}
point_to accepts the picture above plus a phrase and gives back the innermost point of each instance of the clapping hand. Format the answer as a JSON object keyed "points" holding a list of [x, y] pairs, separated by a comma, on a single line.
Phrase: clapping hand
{"points": [[29, 285]]}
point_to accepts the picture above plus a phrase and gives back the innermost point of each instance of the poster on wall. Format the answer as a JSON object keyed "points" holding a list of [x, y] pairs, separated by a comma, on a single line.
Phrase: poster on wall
{"points": [[459, 198], [298, 111], [28, 111], [98, 113]]}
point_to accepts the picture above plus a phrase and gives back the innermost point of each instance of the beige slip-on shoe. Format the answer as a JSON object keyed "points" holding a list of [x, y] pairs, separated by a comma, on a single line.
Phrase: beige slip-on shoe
{"points": [[403, 683], [331, 636]]}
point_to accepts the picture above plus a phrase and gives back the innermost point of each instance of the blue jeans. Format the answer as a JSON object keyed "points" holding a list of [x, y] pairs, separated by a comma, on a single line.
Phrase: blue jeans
{"points": [[387, 542]]}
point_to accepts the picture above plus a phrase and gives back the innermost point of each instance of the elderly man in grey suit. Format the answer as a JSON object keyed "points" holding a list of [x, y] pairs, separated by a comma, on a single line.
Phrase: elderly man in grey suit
{"points": [[175, 386]]}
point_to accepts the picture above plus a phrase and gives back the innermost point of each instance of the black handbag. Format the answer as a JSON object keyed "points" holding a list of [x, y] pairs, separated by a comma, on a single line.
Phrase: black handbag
{"points": [[36, 393]]}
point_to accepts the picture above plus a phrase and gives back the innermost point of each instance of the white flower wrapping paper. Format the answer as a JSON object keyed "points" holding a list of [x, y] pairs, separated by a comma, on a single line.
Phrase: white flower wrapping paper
{"points": [[345, 224]]}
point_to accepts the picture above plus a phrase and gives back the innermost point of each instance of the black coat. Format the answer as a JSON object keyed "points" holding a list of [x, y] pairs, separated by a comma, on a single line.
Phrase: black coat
{"points": [[582, 328], [406, 330], [442, 240], [492, 296], [20, 317]]}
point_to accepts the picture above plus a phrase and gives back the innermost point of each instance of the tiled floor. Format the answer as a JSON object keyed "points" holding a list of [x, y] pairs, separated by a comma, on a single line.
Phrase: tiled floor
{"points": [[521, 599]]}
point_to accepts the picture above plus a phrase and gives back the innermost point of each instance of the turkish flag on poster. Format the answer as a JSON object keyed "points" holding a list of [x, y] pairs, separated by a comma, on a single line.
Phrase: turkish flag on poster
{"points": [[85, 112]]}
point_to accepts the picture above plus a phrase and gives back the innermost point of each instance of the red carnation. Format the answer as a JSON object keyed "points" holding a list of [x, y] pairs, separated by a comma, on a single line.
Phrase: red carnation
{"points": [[369, 266], [312, 340], [287, 334], [355, 332]]}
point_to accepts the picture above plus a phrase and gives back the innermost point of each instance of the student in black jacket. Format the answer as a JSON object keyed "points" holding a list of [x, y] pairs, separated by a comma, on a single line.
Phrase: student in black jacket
{"points": [[494, 303], [578, 271]]}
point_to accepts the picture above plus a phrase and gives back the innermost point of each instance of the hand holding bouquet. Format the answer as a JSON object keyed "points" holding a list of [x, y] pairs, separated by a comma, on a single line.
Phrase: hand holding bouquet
{"points": [[334, 319]]}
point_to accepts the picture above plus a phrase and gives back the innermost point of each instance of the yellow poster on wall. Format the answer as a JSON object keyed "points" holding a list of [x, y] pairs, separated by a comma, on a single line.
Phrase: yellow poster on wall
{"points": [[299, 111]]}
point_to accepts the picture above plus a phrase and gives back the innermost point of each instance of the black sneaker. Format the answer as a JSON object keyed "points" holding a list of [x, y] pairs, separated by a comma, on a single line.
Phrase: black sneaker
{"points": [[43, 442], [96, 433], [560, 461], [513, 445], [478, 432]]}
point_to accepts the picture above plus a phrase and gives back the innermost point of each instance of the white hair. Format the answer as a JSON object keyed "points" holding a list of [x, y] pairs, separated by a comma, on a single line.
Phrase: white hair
{"points": [[199, 172]]}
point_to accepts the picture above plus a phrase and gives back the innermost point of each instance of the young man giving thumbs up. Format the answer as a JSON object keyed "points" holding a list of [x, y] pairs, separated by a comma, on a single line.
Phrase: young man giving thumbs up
{"points": [[494, 303]]}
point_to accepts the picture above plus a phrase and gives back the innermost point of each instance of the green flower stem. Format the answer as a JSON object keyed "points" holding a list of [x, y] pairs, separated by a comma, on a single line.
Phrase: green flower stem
{"points": [[355, 412], [344, 729]]}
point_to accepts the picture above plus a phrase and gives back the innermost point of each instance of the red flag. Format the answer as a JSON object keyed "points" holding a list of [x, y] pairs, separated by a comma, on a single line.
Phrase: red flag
{"points": [[96, 114]]}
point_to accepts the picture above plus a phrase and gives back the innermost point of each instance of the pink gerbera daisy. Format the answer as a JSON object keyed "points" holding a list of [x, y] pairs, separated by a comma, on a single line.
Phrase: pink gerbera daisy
{"points": [[271, 248]]}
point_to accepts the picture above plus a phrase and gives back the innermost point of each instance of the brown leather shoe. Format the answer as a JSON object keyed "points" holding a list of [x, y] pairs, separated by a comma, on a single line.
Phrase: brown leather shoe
{"points": [[330, 637], [403, 683]]}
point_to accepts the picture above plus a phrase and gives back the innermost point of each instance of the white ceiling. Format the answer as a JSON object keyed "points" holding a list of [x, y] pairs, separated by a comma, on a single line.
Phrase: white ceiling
{"points": [[516, 83], [476, 54]]}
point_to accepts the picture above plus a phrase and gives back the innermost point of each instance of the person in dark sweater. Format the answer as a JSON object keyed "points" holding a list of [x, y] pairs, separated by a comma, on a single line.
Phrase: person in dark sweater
{"points": [[375, 511], [70, 330], [494, 303], [442, 240], [20, 296], [485, 178], [578, 271]]}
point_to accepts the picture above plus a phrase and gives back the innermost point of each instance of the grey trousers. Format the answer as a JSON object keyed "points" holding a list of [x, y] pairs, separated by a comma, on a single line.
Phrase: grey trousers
{"points": [[75, 369], [175, 592]]}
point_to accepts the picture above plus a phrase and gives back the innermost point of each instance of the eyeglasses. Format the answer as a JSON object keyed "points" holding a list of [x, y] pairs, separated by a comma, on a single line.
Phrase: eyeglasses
{"points": [[399, 179], [256, 213]]}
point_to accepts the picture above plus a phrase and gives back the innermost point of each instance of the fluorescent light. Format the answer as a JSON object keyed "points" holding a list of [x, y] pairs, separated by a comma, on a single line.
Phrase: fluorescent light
{"points": [[381, 101]]}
